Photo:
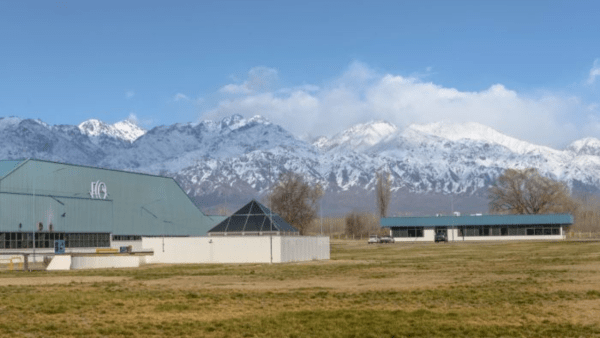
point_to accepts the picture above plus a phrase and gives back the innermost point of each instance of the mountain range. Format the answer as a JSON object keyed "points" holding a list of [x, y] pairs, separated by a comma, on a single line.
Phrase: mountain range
{"points": [[435, 168]]}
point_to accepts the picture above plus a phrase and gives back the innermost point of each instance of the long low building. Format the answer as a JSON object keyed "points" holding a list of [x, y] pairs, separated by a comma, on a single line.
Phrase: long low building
{"points": [[478, 227]]}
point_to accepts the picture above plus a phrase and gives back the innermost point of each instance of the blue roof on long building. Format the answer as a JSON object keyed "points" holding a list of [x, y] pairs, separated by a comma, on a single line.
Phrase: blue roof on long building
{"points": [[549, 219]]}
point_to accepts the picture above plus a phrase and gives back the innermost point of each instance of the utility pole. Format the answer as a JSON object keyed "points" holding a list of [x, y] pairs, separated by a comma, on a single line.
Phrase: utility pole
{"points": [[271, 218]]}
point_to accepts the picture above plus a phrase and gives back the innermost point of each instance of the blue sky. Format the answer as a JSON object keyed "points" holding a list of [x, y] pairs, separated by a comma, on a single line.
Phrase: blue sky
{"points": [[314, 67]]}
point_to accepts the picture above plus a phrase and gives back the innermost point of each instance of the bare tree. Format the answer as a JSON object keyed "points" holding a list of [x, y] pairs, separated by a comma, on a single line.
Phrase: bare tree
{"points": [[362, 224], [223, 210], [355, 224], [527, 192], [383, 192], [587, 216], [295, 200]]}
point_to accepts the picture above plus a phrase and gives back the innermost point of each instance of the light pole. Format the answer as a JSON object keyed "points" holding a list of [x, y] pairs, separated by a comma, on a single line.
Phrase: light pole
{"points": [[271, 219]]}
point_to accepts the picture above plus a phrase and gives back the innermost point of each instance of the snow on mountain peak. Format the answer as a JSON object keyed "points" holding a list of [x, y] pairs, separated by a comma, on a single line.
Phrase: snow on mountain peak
{"points": [[358, 137], [124, 130], [477, 132], [9, 121], [237, 121], [585, 146], [259, 119], [128, 130]]}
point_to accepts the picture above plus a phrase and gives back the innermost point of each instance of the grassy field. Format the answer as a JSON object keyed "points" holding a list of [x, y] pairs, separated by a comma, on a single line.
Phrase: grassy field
{"points": [[401, 290]]}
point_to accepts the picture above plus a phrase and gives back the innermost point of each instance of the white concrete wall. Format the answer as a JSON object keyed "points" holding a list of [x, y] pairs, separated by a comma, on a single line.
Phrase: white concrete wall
{"points": [[303, 248], [137, 245], [60, 262], [235, 249], [453, 235], [104, 262], [230, 249]]}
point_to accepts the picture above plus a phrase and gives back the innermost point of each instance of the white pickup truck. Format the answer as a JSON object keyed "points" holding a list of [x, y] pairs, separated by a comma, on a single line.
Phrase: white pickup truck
{"points": [[374, 239]]}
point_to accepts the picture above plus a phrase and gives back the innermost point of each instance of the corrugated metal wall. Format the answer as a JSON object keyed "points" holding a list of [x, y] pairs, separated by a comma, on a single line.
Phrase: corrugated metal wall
{"points": [[136, 204]]}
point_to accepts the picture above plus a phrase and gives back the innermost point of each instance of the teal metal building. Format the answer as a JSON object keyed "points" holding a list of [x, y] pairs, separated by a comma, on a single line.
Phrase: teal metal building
{"points": [[88, 207]]}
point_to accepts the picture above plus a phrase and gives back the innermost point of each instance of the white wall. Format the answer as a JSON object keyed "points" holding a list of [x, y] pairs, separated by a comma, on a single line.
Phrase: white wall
{"points": [[303, 248], [453, 235], [236, 249], [60, 262], [136, 245], [104, 262]]}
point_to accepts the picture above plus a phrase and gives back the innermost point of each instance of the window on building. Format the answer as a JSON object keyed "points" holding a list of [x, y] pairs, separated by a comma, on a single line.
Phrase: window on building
{"points": [[407, 232], [139, 238]]}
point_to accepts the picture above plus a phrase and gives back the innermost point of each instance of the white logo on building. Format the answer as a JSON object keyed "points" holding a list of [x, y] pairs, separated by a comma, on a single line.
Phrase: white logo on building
{"points": [[98, 190]]}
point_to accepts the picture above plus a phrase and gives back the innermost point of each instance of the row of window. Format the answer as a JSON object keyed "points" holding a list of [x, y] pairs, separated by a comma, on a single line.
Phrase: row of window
{"points": [[407, 232], [24, 240], [483, 231], [126, 238], [508, 231]]}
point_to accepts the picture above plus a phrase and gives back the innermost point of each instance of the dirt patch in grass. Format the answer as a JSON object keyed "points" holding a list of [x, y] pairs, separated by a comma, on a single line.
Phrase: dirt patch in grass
{"points": [[49, 280], [371, 282]]}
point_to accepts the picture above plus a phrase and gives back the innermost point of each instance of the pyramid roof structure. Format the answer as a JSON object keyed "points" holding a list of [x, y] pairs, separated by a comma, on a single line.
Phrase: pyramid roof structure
{"points": [[253, 218]]}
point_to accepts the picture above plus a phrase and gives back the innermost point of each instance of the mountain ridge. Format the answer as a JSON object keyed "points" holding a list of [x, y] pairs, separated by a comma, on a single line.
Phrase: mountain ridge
{"points": [[223, 161]]}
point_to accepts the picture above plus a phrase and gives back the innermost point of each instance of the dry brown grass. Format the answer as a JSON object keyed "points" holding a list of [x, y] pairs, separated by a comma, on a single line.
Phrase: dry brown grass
{"points": [[502, 289]]}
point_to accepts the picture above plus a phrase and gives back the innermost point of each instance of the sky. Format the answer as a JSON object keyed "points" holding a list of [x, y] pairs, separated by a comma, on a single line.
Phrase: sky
{"points": [[530, 69]]}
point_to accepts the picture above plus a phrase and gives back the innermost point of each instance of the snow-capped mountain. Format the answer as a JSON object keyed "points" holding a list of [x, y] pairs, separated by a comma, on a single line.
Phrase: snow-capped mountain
{"points": [[123, 130], [175, 147], [358, 138], [586, 146], [439, 159], [233, 159]]}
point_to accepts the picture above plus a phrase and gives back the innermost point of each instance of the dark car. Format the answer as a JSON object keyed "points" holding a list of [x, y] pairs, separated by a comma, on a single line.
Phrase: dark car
{"points": [[387, 239], [441, 237]]}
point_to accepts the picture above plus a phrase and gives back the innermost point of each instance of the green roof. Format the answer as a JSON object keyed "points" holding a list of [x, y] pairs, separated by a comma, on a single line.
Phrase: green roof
{"points": [[548, 219]]}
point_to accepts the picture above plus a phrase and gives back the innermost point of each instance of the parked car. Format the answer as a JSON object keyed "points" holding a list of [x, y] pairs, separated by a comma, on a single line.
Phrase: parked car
{"points": [[374, 239], [386, 239], [441, 237]]}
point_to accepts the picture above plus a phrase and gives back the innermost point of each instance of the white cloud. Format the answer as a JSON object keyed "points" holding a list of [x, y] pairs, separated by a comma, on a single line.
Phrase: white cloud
{"points": [[260, 79], [594, 72], [235, 89], [180, 97], [129, 94], [145, 123], [133, 118], [361, 94]]}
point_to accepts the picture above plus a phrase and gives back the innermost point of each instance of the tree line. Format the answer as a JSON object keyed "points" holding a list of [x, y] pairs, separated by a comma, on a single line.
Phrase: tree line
{"points": [[515, 191]]}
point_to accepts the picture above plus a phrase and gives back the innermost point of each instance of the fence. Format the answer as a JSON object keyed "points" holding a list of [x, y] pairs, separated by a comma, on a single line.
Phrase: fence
{"points": [[583, 235], [335, 228]]}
